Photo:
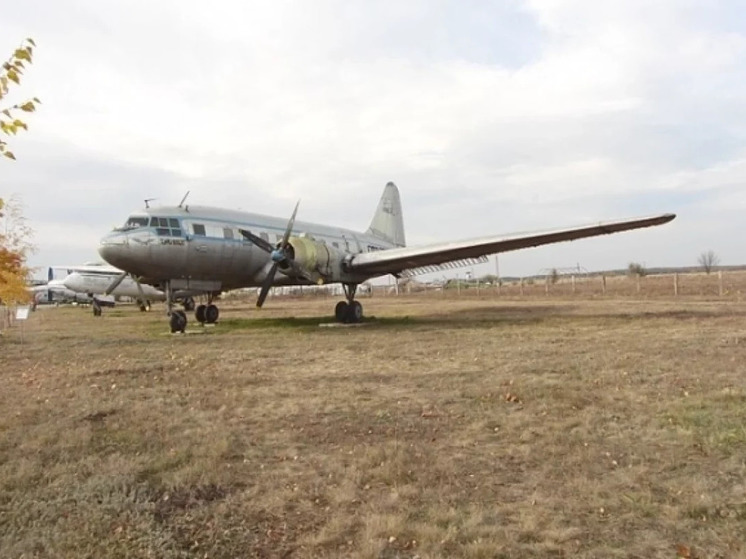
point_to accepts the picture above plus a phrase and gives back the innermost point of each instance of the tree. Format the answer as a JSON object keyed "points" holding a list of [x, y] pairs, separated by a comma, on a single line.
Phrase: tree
{"points": [[11, 72], [14, 232], [636, 269], [708, 260], [14, 247]]}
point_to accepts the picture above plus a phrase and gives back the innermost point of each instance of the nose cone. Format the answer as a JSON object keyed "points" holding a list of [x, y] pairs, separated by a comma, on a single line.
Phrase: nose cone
{"points": [[114, 249], [74, 282]]}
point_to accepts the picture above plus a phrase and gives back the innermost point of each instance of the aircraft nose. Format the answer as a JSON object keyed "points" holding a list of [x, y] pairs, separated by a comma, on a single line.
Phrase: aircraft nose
{"points": [[72, 282], [112, 248]]}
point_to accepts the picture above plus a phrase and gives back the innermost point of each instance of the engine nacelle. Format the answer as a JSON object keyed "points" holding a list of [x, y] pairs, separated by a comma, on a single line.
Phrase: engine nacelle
{"points": [[317, 257]]}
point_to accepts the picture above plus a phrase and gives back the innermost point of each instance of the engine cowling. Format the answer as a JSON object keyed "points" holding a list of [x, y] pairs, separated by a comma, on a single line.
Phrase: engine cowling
{"points": [[317, 257]]}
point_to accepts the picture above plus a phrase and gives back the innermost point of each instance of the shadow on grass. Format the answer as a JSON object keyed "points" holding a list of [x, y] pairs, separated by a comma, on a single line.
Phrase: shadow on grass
{"points": [[307, 323], [450, 319], [473, 317]]}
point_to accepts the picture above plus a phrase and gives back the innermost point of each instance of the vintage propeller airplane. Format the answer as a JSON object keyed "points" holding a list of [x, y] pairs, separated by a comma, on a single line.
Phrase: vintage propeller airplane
{"points": [[209, 250]]}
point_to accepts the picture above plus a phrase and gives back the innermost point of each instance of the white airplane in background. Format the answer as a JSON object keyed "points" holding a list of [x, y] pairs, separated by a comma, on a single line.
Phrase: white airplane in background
{"points": [[94, 283], [212, 250], [54, 291]]}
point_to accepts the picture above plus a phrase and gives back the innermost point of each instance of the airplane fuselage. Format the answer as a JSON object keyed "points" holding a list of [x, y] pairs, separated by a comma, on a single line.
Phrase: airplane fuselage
{"points": [[199, 247]]}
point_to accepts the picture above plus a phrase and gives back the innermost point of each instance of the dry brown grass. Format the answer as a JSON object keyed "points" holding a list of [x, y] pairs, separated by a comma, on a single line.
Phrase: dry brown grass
{"points": [[470, 427]]}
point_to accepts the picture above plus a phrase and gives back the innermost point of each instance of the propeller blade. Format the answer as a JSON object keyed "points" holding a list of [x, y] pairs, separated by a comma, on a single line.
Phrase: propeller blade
{"points": [[266, 246], [267, 284], [115, 283], [290, 227]]}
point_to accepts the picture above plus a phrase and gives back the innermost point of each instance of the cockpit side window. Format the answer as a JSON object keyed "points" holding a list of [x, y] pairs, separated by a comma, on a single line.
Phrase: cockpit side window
{"points": [[135, 221], [198, 229]]}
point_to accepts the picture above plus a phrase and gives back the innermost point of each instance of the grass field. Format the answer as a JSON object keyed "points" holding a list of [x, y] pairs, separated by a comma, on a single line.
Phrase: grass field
{"points": [[444, 427]]}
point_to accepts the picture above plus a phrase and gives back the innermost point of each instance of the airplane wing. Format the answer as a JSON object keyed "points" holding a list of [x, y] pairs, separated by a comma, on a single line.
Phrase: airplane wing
{"points": [[397, 260], [89, 269]]}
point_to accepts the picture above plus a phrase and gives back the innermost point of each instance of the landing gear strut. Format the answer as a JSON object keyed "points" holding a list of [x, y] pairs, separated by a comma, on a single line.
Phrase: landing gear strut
{"points": [[177, 319], [350, 311]]}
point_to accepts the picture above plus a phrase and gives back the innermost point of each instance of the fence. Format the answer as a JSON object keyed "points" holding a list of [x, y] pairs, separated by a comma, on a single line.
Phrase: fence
{"points": [[730, 285]]}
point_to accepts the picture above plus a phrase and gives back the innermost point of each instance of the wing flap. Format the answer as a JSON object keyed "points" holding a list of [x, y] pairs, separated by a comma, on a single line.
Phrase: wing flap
{"points": [[396, 260]]}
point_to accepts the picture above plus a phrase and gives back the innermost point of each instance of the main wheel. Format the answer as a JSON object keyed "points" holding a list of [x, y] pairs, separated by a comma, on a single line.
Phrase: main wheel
{"points": [[178, 322], [211, 314], [199, 314], [354, 312], [340, 311]]}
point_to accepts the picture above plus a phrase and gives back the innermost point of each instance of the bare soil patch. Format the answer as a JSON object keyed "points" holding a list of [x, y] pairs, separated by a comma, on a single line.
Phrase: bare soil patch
{"points": [[446, 427]]}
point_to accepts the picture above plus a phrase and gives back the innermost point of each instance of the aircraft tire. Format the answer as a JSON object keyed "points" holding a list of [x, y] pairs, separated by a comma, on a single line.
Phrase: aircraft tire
{"points": [[199, 314], [188, 303], [340, 311], [178, 322], [211, 314], [355, 312]]}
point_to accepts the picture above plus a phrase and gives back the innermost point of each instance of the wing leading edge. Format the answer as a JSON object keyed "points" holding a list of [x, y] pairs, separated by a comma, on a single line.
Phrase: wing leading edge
{"points": [[396, 260]]}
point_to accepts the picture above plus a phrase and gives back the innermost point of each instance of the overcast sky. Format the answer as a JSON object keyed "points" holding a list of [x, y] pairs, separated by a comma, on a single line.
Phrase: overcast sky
{"points": [[491, 117]]}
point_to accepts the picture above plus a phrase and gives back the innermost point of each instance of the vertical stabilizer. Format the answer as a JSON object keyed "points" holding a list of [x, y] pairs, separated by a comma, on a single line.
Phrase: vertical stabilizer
{"points": [[388, 221]]}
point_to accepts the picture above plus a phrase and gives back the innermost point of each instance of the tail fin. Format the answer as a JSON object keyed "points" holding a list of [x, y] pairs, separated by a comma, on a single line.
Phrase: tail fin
{"points": [[388, 221]]}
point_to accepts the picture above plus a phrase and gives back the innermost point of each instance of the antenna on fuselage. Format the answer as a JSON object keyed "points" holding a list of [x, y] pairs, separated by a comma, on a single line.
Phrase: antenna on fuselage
{"points": [[147, 200], [184, 198]]}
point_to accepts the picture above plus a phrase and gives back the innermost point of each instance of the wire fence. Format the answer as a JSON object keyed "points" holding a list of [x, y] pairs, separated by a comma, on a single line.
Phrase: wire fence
{"points": [[720, 284]]}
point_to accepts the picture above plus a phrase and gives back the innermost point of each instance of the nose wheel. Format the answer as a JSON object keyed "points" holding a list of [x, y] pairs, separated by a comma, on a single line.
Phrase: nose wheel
{"points": [[350, 311], [178, 321]]}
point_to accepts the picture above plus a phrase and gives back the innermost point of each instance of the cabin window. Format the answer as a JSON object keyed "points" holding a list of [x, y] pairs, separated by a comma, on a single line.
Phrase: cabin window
{"points": [[227, 233], [335, 244], [173, 223], [198, 229], [163, 231]]}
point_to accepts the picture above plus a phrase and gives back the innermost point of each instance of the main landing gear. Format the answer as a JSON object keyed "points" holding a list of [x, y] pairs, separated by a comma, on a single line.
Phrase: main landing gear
{"points": [[350, 311], [207, 314]]}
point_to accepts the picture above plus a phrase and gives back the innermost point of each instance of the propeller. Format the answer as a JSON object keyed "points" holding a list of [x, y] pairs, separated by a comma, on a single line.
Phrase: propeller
{"points": [[280, 255]]}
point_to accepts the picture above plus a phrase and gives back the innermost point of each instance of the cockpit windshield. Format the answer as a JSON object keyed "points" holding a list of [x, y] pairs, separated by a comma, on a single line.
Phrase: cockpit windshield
{"points": [[134, 222]]}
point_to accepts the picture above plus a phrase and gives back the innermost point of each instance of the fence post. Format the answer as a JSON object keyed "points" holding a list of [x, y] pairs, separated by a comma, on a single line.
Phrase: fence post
{"points": [[720, 283], [546, 285], [676, 285], [572, 279], [603, 284], [521, 286]]}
